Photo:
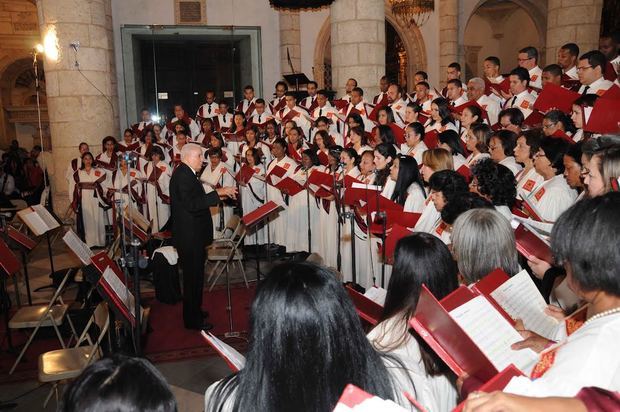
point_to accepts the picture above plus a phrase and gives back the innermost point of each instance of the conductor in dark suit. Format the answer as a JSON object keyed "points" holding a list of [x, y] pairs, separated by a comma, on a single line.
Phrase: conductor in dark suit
{"points": [[192, 229]]}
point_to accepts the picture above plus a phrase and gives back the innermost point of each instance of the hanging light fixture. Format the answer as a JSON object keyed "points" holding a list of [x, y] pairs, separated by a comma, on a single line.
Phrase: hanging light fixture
{"points": [[413, 12]]}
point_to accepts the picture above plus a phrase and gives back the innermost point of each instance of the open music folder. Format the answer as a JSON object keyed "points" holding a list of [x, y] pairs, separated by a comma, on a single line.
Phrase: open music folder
{"points": [[358, 400], [469, 334], [368, 307], [38, 219], [497, 383], [78, 247], [232, 357], [8, 261]]}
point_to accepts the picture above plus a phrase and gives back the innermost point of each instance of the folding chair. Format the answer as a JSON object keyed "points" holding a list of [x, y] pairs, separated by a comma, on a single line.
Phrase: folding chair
{"points": [[37, 316], [227, 250], [67, 222], [63, 364]]}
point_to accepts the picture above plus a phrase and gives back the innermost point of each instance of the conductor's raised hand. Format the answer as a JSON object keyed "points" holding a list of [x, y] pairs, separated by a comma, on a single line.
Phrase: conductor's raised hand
{"points": [[228, 191]]}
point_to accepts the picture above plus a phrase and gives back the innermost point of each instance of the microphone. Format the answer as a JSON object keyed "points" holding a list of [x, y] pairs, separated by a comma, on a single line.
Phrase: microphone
{"points": [[341, 164]]}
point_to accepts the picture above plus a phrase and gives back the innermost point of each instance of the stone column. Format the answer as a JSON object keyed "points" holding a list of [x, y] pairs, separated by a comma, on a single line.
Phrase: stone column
{"points": [[571, 21], [358, 44], [77, 110], [448, 36], [290, 39]]}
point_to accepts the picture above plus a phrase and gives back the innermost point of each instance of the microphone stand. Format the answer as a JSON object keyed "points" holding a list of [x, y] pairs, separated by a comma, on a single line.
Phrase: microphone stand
{"points": [[263, 159], [339, 216]]}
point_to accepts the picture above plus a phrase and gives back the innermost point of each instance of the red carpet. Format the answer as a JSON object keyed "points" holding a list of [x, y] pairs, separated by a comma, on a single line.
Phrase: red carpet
{"points": [[167, 339]]}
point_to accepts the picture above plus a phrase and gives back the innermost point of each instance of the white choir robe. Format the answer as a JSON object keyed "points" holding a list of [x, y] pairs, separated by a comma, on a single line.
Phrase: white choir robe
{"points": [[472, 159], [326, 228], [429, 126], [578, 136], [307, 102], [74, 166], [416, 198], [524, 102], [496, 80], [194, 129], [399, 109], [244, 106], [204, 112], [572, 73], [141, 125], [510, 163], [366, 273], [158, 212], [273, 105], [462, 99], [586, 358], [536, 77], [300, 120], [297, 221], [434, 393], [331, 113], [278, 222], [93, 215], [118, 182], [211, 179], [417, 151], [491, 106], [599, 87], [260, 119], [553, 197], [376, 240], [362, 108], [259, 145], [345, 234], [527, 182], [429, 218], [363, 149], [458, 160], [104, 157], [224, 121], [249, 202]]}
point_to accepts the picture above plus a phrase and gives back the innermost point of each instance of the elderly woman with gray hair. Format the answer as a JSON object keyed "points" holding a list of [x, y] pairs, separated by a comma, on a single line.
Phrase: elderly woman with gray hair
{"points": [[482, 241]]}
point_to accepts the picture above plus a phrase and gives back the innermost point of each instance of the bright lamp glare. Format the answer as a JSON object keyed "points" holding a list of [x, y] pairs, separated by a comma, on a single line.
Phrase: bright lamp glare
{"points": [[50, 44], [155, 118], [39, 48]]}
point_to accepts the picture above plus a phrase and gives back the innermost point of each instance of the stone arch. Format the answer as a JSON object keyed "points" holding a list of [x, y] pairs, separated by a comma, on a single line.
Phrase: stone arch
{"points": [[411, 37]]}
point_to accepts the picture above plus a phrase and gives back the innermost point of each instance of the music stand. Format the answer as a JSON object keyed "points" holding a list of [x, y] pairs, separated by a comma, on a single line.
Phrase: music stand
{"points": [[25, 244], [255, 217], [296, 79]]}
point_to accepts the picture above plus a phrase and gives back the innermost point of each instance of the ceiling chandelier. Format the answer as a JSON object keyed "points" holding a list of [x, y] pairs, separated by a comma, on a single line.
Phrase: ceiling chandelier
{"points": [[413, 12]]}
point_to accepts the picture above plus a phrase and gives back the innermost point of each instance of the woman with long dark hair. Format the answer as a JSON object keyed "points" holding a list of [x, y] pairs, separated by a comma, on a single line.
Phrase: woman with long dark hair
{"points": [[441, 117], [450, 141], [385, 154], [419, 259], [306, 345], [409, 188]]}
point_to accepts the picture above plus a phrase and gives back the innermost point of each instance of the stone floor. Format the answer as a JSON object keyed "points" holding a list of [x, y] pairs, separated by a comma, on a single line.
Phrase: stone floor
{"points": [[188, 378]]}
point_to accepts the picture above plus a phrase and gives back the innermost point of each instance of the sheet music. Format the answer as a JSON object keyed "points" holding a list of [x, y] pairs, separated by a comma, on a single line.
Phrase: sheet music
{"points": [[543, 228], [230, 353], [138, 218], [492, 334], [520, 298], [377, 295], [33, 221], [46, 216], [121, 290], [79, 248], [365, 186]]}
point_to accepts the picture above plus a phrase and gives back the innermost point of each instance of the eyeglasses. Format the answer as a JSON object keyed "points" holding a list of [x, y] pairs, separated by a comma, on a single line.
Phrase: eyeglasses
{"points": [[582, 68], [493, 147], [524, 60], [548, 125]]}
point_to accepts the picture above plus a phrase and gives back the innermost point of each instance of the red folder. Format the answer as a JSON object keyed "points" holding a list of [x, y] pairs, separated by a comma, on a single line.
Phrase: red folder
{"points": [[368, 310], [353, 196], [397, 233], [529, 210], [290, 186], [562, 135], [558, 97], [244, 174], [497, 383], [465, 172], [101, 261], [340, 104], [322, 180], [137, 230], [435, 325], [323, 158], [569, 83], [399, 133], [431, 139], [259, 213], [528, 244], [277, 171], [394, 215], [605, 117], [8, 261], [503, 86], [20, 238]]}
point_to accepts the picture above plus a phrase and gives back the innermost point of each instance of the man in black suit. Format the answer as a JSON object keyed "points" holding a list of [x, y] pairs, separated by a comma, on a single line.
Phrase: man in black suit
{"points": [[192, 229]]}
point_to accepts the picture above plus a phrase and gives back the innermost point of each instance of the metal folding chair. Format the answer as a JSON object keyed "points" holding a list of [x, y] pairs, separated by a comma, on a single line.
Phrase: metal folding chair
{"points": [[227, 250], [53, 314]]}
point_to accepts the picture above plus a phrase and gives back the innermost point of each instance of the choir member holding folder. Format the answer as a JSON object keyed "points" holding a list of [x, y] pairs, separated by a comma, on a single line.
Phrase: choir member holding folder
{"points": [[252, 191], [419, 259], [306, 345]]}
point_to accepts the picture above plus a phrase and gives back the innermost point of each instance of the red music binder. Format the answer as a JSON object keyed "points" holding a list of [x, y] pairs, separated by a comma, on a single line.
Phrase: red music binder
{"points": [[323, 158], [244, 174], [289, 186], [231, 356], [396, 233], [278, 172], [503, 86], [399, 133], [558, 97], [394, 215], [101, 262], [21, 238], [431, 139], [138, 232], [259, 214], [435, 325], [496, 383], [360, 192], [465, 172], [8, 261], [528, 244], [368, 310]]}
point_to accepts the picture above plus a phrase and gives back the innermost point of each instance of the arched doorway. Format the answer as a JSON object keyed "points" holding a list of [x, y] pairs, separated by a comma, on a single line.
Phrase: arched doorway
{"points": [[19, 119], [489, 32], [405, 52]]}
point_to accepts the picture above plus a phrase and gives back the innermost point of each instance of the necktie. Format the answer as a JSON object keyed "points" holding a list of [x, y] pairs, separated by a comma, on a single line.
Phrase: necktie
{"points": [[452, 103], [514, 99], [209, 110], [259, 118], [224, 117], [585, 90], [320, 112]]}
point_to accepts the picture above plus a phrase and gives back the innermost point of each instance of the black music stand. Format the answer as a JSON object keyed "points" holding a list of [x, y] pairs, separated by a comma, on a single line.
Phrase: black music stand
{"points": [[296, 79]]}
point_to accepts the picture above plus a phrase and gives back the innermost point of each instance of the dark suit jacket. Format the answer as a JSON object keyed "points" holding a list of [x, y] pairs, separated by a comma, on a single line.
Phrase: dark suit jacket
{"points": [[191, 217]]}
